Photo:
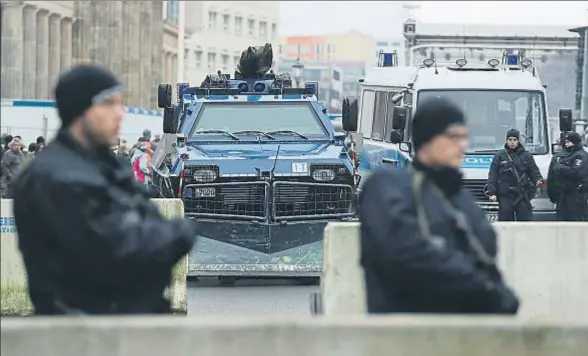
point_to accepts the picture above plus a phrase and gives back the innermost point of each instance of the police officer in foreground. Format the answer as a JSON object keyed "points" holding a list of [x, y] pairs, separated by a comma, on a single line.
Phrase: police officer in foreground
{"points": [[513, 179], [426, 246], [567, 180], [91, 240]]}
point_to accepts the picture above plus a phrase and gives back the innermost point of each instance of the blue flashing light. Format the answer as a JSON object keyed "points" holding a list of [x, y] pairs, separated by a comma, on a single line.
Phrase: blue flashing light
{"points": [[291, 96], [219, 97], [388, 60], [312, 86], [180, 90], [253, 97], [512, 59]]}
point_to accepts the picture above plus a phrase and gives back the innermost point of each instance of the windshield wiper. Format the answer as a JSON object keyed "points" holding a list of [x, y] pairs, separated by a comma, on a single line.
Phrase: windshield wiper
{"points": [[287, 132], [254, 132], [222, 132]]}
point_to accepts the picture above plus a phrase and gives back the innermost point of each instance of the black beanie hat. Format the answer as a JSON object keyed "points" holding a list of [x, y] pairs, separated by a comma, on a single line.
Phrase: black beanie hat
{"points": [[513, 133], [80, 88], [432, 118], [574, 138]]}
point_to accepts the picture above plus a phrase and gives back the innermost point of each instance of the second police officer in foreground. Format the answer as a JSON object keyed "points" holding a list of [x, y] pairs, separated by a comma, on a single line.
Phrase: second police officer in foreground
{"points": [[426, 246], [513, 179], [91, 240], [568, 180]]}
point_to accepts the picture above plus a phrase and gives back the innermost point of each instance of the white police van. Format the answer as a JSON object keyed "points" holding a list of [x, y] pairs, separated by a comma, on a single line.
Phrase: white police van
{"points": [[502, 94]]}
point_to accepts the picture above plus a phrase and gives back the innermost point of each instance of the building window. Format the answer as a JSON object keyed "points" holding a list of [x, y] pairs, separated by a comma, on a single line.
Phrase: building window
{"points": [[211, 20], [238, 26], [251, 27], [226, 21], [274, 31], [263, 30], [198, 57], [225, 59], [317, 51], [212, 61]]}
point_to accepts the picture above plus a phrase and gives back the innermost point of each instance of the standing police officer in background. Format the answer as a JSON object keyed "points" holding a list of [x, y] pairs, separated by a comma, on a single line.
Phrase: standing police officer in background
{"points": [[567, 181], [92, 241], [513, 179], [426, 246]]}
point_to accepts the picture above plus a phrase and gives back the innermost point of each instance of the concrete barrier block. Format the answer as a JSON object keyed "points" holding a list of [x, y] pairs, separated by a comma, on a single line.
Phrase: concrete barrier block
{"points": [[342, 270], [13, 279], [545, 262], [177, 291], [343, 336], [14, 290]]}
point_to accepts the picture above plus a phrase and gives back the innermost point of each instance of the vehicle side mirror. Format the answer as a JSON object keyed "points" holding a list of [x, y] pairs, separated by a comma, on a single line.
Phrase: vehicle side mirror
{"points": [[169, 120], [399, 118], [164, 96], [565, 120], [396, 136], [406, 147], [350, 115]]}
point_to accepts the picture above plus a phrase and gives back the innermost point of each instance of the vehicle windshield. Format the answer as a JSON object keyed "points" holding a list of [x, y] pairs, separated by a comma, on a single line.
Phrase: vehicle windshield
{"points": [[491, 113], [280, 119]]}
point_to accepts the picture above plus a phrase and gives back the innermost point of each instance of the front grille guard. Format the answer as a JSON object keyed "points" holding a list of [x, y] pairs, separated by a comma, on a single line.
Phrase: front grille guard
{"points": [[246, 210], [340, 195]]}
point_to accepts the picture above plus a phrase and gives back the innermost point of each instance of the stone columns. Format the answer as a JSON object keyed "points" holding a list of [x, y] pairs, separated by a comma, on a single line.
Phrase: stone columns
{"points": [[156, 45], [66, 44], [12, 50], [42, 55], [30, 52], [54, 63]]}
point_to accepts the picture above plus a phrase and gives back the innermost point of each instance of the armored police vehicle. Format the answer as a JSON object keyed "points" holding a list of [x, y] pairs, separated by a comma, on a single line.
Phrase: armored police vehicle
{"points": [[257, 163], [502, 94]]}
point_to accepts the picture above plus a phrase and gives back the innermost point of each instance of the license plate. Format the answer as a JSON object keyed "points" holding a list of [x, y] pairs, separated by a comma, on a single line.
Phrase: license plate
{"points": [[492, 217], [204, 192]]}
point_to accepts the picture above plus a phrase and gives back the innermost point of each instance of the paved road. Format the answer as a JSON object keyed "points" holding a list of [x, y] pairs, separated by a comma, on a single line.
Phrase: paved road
{"points": [[249, 298]]}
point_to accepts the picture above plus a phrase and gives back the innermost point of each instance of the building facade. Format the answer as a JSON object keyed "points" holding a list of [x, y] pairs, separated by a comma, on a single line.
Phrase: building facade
{"points": [[221, 30], [41, 39], [336, 61], [553, 50]]}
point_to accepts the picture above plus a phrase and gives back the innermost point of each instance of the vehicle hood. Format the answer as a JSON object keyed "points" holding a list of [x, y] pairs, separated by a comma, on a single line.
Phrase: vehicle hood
{"points": [[245, 158]]}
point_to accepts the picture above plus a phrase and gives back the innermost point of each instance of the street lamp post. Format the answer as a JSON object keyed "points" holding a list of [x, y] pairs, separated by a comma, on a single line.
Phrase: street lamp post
{"points": [[298, 72]]}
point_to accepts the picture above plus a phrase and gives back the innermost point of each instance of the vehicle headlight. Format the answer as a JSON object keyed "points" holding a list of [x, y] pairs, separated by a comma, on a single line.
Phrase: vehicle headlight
{"points": [[323, 175], [205, 175]]}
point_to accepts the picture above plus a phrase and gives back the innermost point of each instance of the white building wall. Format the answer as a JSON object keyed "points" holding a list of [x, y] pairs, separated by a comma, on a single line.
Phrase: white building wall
{"points": [[221, 30], [32, 118]]}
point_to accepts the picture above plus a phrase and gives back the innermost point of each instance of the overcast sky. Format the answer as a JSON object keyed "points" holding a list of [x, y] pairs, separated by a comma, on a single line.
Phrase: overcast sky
{"points": [[384, 18]]}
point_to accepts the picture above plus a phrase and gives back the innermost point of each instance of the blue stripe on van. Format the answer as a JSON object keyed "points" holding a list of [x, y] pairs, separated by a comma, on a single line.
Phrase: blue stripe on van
{"points": [[50, 104]]}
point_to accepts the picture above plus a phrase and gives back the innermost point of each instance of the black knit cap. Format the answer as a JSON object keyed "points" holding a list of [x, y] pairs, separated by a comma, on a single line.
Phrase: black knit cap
{"points": [[80, 88], [513, 133], [574, 138], [432, 118]]}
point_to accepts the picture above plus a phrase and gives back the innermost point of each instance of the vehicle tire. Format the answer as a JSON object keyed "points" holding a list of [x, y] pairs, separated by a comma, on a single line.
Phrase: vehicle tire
{"points": [[164, 95], [176, 116], [316, 304]]}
